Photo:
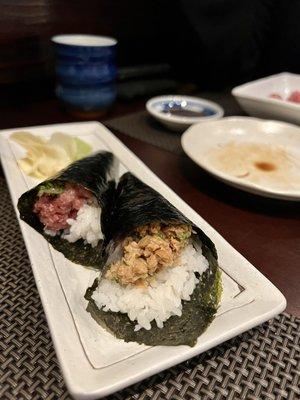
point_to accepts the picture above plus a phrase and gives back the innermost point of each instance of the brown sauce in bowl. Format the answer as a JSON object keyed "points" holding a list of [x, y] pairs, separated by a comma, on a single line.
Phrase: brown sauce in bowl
{"points": [[180, 112], [268, 165], [265, 166]]}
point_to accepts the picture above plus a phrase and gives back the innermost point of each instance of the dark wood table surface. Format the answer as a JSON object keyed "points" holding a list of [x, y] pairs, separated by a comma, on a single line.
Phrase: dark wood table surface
{"points": [[265, 231]]}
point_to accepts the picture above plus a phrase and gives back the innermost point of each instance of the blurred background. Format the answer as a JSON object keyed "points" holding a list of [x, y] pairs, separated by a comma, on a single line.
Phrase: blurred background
{"points": [[162, 45]]}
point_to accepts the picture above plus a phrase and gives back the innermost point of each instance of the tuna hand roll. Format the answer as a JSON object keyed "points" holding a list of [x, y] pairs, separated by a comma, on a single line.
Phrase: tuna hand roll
{"points": [[161, 284], [68, 208]]}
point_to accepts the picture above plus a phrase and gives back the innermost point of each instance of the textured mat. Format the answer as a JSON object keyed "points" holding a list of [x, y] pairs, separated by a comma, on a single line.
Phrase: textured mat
{"points": [[142, 126], [263, 363]]}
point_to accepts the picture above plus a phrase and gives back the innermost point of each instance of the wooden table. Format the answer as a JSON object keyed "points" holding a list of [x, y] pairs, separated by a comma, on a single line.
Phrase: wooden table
{"points": [[265, 231]]}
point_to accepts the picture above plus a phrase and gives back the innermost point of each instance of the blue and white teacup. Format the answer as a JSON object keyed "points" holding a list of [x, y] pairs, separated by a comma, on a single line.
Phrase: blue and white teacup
{"points": [[86, 71]]}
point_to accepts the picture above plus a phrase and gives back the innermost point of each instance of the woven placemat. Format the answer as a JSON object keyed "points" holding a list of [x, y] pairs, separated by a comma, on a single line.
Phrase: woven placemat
{"points": [[263, 363], [142, 126]]}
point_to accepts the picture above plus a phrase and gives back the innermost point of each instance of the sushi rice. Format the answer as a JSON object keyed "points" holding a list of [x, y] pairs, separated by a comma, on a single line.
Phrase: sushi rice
{"points": [[86, 226], [161, 299]]}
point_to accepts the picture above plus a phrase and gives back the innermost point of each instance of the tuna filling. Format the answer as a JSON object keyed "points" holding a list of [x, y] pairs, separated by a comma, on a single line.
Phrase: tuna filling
{"points": [[147, 251], [54, 210]]}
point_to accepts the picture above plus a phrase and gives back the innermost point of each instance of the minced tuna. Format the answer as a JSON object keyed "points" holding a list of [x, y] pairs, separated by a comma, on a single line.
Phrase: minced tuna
{"points": [[147, 251], [54, 211]]}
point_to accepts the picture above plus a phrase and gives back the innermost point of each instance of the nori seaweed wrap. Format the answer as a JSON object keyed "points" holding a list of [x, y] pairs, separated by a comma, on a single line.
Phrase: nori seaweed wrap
{"points": [[137, 205], [89, 178]]}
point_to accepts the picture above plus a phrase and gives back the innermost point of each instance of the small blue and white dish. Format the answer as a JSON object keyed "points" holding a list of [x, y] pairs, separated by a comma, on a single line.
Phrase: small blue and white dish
{"points": [[179, 112], [85, 71]]}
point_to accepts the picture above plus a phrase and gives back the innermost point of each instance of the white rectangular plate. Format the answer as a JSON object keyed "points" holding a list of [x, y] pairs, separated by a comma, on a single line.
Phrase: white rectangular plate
{"points": [[91, 363]]}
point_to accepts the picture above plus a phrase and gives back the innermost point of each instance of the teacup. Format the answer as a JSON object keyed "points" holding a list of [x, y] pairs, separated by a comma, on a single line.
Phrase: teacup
{"points": [[85, 71]]}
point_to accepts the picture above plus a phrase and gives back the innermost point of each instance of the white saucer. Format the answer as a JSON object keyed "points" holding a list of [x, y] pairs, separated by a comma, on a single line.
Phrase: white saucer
{"points": [[259, 156], [157, 108]]}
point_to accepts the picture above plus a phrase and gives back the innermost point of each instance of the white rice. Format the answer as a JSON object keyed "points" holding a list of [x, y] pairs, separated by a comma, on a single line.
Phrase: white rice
{"points": [[162, 299], [86, 226]]}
